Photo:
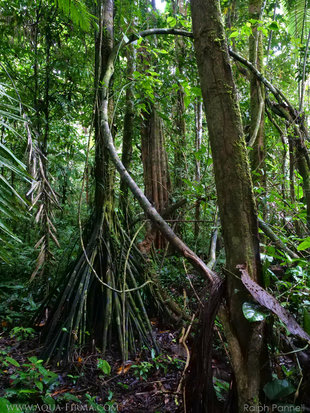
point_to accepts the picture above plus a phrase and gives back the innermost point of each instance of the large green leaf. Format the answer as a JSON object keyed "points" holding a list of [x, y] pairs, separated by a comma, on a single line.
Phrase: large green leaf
{"points": [[4, 405], [104, 366], [7, 231], [277, 389], [253, 312], [7, 183], [10, 156], [306, 321], [304, 245]]}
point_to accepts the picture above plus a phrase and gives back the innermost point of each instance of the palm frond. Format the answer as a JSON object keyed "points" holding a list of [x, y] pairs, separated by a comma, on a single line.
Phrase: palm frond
{"points": [[298, 17], [11, 201], [77, 12], [9, 160]]}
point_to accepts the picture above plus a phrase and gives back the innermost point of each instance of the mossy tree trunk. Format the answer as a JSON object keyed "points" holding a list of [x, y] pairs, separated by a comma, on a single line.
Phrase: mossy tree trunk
{"points": [[128, 133], [235, 199], [103, 48], [100, 296]]}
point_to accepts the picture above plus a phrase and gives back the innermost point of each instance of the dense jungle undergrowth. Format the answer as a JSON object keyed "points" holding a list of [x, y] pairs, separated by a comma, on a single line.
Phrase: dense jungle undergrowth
{"points": [[154, 206]]}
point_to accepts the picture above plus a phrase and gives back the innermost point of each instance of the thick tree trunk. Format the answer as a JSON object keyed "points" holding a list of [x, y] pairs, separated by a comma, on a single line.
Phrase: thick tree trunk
{"points": [[157, 184], [235, 198], [155, 171], [155, 164]]}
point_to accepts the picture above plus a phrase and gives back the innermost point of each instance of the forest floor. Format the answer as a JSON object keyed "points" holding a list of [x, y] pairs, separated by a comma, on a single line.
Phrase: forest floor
{"points": [[148, 383]]}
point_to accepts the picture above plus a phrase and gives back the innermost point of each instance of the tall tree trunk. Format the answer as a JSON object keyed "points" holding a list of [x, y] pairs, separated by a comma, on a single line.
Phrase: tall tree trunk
{"points": [[44, 149], [156, 173], [198, 140], [179, 7], [38, 155], [236, 203], [155, 162], [257, 94], [103, 48], [303, 170], [101, 292], [128, 133]]}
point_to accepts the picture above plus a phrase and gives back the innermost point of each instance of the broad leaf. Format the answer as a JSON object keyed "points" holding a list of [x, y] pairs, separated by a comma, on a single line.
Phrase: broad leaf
{"points": [[304, 245], [4, 405], [104, 366], [12, 361], [39, 385], [277, 389], [253, 312], [306, 323]]}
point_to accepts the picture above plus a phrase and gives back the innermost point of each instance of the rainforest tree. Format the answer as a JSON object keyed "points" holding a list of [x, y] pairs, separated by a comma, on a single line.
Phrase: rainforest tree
{"points": [[158, 205]]}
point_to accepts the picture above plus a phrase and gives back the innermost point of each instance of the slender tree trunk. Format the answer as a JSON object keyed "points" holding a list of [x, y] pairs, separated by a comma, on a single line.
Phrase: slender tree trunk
{"points": [[236, 204], [128, 133], [198, 140], [103, 47], [257, 94], [179, 7], [303, 169], [44, 149]]}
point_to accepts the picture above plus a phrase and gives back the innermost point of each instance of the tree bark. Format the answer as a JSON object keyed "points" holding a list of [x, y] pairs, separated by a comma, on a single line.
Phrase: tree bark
{"points": [[128, 132], [257, 94], [235, 198], [103, 49], [179, 7], [155, 162], [198, 141]]}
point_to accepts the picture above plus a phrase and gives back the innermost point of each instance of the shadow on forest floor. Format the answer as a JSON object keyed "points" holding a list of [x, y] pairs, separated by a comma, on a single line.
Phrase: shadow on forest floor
{"points": [[91, 382]]}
